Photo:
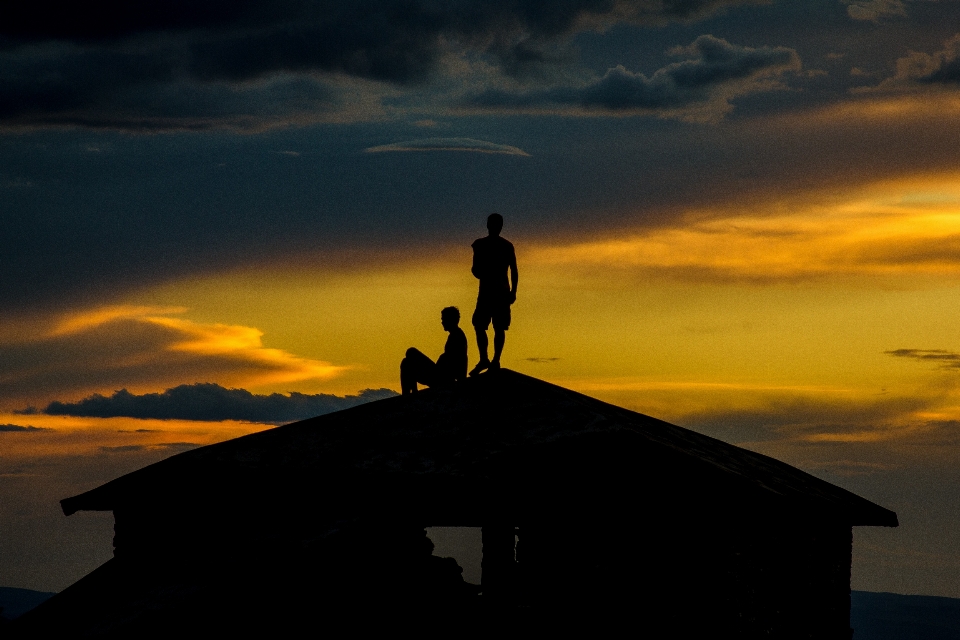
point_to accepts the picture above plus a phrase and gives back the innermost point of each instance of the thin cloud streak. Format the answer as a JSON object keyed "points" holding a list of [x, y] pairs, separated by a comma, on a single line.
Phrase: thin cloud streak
{"points": [[946, 359], [85, 436], [91, 319], [19, 428], [449, 144]]}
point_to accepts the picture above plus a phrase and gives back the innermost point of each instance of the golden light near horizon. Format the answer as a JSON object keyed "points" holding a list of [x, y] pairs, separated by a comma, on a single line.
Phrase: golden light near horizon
{"points": [[721, 312], [726, 310], [79, 436], [909, 227]]}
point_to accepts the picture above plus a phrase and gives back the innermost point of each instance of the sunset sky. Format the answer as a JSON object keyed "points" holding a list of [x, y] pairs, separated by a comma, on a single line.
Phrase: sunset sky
{"points": [[742, 217]]}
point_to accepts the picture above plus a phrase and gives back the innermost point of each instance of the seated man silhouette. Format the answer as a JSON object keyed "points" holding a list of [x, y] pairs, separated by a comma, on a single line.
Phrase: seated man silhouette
{"points": [[450, 367]]}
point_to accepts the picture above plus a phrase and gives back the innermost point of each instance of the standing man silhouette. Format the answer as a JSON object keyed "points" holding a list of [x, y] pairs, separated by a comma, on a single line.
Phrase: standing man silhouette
{"points": [[492, 257]]}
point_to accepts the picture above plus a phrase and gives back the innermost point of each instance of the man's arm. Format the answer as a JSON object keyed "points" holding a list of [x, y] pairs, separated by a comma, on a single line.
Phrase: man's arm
{"points": [[475, 270], [514, 277]]}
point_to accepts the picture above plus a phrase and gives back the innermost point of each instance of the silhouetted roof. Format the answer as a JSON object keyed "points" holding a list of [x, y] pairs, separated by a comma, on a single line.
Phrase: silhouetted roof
{"points": [[501, 440]]}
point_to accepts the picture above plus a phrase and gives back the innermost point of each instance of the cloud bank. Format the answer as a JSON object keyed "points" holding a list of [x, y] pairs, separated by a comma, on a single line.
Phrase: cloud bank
{"points": [[211, 402], [252, 63], [713, 72]]}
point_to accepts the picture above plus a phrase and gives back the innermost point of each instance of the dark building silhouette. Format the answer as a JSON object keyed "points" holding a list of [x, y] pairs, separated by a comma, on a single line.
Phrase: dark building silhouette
{"points": [[593, 516]]}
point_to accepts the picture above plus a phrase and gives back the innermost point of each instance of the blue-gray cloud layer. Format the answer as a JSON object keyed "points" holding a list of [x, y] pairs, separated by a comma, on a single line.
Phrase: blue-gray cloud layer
{"points": [[712, 63], [90, 214], [208, 401], [181, 64]]}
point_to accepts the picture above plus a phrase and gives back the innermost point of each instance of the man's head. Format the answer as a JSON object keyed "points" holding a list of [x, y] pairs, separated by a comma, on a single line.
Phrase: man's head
{"points": [[494, 224], [450, 318]]}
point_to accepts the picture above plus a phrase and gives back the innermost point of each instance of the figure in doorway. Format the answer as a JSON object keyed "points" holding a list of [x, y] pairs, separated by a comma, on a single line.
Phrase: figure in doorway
{"points": [[450, 367], [493, 256]]}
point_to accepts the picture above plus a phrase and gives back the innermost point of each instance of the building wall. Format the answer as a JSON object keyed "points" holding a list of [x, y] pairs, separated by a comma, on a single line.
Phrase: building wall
{"points": [[752, 580]]}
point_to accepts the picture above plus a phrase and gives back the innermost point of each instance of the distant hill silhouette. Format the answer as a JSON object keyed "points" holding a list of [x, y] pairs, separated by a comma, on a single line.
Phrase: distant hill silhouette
{"points": [[891, 616], [16, 602]]}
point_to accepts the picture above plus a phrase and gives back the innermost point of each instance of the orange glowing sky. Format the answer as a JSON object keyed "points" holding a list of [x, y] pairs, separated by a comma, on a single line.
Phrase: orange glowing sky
{"points": [[744, 219]]}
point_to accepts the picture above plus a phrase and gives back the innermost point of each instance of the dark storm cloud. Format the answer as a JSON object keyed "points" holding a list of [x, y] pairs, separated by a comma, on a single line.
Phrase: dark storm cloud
{"points": [[161, 65], [81, 227], [382, 20], [946, 359], [207, 401], [144, 90], [712, 64]]}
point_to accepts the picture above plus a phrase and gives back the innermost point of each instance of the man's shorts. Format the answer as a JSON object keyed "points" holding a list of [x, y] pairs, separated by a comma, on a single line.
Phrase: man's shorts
{"points": [[495, 308]]}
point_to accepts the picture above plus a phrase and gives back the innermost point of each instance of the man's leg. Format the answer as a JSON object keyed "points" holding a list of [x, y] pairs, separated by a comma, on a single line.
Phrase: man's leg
{"points": [[408, 383], [499, 337], [481, 320], [501, 322], [484, 363], [416, 367]]}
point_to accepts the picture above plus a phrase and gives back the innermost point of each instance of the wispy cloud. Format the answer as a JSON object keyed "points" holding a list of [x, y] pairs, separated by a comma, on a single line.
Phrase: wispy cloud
{"points": [[91, 319], [63, 435], [160, 446], [17, 427], [814, 418], [946, 359], [541, 360], [449, 144], [138, 347]]}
